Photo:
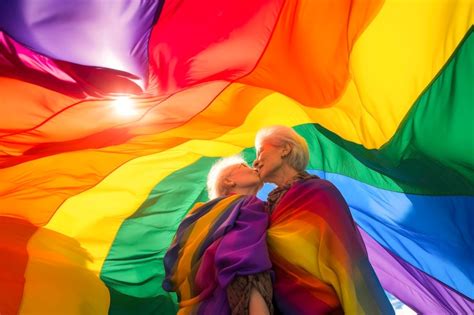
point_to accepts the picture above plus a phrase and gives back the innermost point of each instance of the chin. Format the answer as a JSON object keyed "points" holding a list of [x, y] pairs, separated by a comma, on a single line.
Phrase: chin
{"points": [[264, 177]]}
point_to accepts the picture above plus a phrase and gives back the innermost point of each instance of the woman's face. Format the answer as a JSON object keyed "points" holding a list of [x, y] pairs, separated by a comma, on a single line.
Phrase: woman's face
{"points": [[269, 161], [244, 177]]}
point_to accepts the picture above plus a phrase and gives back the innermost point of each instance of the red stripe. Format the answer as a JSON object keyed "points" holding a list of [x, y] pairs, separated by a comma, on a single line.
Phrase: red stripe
{"points": [[14, 236]]}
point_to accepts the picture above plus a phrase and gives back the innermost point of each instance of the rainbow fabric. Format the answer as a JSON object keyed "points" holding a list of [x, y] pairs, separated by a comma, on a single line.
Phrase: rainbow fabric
{"points": [[217, 241], [91, 196], [319, 259]]}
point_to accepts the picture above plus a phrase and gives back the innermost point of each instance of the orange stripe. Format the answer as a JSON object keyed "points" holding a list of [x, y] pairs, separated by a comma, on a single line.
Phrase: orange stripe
{"points": [[314, 72], [34, 195], [34, 189], [48, 122]]}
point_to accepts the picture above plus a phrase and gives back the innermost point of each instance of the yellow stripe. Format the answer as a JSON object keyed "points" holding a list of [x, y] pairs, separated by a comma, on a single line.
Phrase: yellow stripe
{"points": [[92, 218], [57, 280], [392, 62]]}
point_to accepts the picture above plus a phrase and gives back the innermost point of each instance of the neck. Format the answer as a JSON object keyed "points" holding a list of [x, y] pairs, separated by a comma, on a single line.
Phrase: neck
{"points": [[283, 175]]}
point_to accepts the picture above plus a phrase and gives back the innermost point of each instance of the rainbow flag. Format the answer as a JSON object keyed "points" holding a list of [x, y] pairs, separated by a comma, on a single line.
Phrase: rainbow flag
{"points": [[112, 113]]}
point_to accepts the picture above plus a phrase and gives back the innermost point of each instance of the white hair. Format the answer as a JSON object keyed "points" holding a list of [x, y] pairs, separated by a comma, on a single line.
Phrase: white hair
{"points": [[278, 136], [217, 174]]}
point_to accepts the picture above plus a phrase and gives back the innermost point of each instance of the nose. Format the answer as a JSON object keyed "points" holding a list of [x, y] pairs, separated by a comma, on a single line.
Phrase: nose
{"points": [[256, 164]]}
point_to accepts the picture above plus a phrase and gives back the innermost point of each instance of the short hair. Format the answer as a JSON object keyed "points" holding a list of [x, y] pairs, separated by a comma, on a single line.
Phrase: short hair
{"points": [[216, 176], [278, 136]]}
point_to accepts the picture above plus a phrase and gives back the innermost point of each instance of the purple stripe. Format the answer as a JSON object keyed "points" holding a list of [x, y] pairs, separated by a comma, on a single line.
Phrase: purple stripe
{"points": [[107, 34], [412, 286]]}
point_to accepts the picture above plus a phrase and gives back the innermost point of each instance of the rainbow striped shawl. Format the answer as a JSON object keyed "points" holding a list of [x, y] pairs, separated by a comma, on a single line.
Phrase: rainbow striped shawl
{"points": [[218, 240], [318, 256]]}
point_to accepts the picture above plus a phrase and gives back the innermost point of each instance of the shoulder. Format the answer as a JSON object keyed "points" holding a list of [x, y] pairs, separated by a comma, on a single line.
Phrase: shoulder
{"points": [[316, 188], [219, 202], [240, 202], [251, 200], [233, 200], [252, 208], [316, 184]]}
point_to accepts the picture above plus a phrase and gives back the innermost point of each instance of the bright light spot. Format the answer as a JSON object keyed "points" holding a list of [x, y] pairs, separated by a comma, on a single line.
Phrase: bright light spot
{"points": [[404, 310], [124, 106], [110, 59]]}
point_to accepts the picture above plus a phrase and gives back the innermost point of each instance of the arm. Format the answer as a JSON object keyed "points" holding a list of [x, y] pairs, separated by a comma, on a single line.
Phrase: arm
{"points": [[243, 249], [243, 263]]}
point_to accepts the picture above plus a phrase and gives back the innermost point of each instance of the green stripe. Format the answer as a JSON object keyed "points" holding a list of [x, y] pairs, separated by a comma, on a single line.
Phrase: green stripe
{"points": [[133, 270], [431, 153]]}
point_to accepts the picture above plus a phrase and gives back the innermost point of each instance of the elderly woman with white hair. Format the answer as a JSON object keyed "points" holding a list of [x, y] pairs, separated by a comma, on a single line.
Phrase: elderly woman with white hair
{"points": [[317, 253], [218, 262]]}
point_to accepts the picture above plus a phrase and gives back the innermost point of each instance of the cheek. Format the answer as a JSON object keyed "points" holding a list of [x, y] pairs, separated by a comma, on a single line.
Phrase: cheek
{"points": [[266, 157], [247, 180], [253, 179], [271, 163], [252, 176]]}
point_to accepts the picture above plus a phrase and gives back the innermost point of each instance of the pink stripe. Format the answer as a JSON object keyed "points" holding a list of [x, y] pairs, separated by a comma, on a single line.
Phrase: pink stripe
{"points": [[19, 62]]}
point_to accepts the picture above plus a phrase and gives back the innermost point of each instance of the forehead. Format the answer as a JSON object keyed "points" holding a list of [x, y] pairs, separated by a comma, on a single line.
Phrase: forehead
{"points": [[265, 146], [234, 168]]}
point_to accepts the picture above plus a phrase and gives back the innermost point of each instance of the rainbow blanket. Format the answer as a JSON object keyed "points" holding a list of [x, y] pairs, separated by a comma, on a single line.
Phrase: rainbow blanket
{"points": [[215, 242], [318, 256]]}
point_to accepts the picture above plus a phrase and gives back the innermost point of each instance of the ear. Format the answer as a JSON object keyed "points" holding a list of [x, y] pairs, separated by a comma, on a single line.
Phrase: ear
{"points": [[229, 183], [286, 149]]}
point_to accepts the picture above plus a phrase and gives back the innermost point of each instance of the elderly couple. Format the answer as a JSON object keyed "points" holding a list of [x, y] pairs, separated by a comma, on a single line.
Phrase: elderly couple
{"points": [[298, 253]]}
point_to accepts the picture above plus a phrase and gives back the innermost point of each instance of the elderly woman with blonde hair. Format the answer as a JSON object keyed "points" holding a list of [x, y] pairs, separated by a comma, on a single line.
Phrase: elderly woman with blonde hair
{"points": [[317, 253], [218, 262]]}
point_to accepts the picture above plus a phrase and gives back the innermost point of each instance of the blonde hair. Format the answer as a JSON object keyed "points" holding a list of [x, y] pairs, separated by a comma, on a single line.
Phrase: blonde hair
{"points": [[278, 136], [217, 174]]}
